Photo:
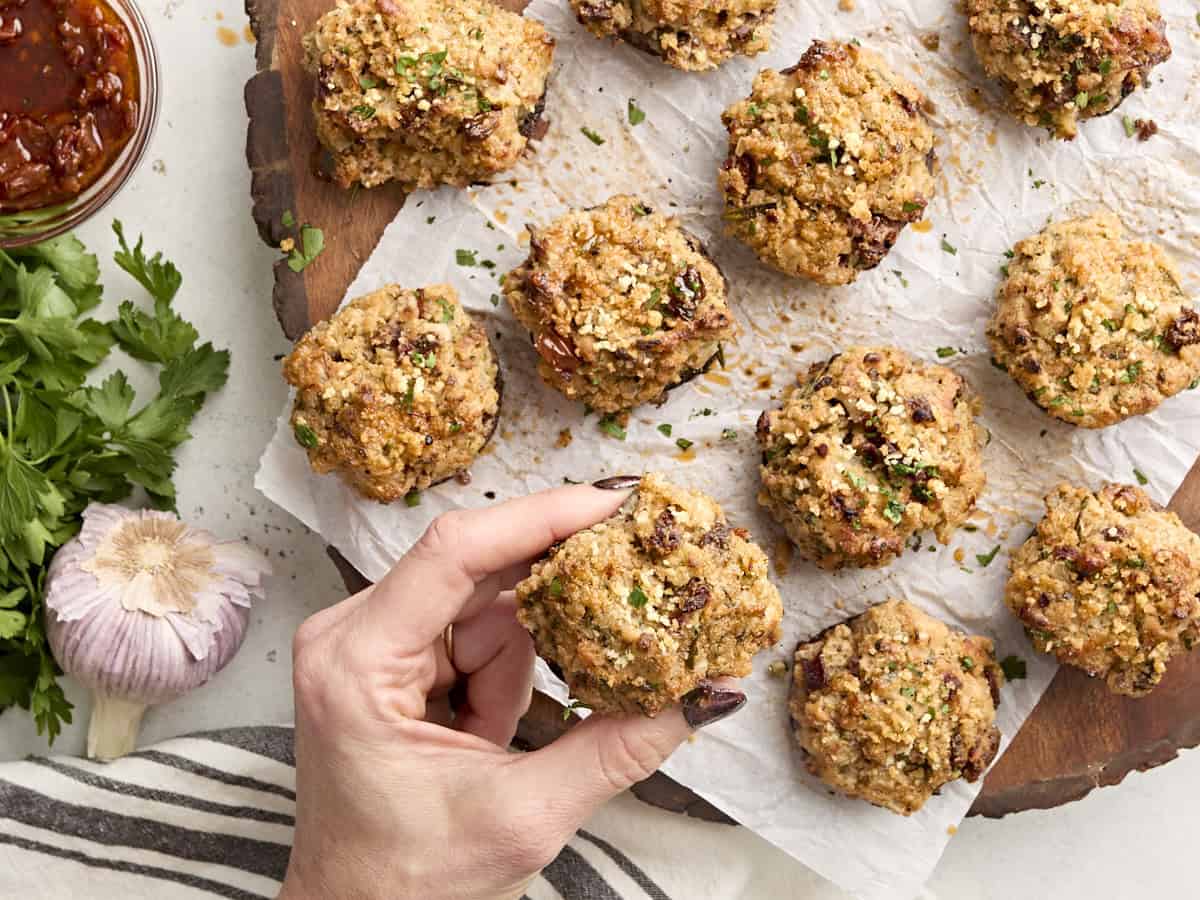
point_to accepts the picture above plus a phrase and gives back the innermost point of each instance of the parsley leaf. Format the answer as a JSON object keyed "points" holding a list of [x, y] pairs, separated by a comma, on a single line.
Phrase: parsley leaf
{"points": [[152, 338], [312, 242], [1013, 667], [612, 428], [985, 558], [636, 114], [159, 277], [591, 135], [637, 597], [573, 705]]}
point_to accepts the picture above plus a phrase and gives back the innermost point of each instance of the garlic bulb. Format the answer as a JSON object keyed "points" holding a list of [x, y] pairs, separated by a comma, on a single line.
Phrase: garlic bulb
{"points": [[142, 608]]}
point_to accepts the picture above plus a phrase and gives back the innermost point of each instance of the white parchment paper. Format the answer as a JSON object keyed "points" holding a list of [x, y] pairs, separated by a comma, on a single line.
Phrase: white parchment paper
{"points": [[999, 182]]}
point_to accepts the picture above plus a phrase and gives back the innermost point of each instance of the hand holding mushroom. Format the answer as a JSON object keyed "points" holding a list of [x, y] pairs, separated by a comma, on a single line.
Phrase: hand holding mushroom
{"points": [[393, 804]]}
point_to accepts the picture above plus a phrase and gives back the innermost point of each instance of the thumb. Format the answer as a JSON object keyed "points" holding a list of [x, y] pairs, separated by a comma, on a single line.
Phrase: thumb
{"points": [[605, 755]]}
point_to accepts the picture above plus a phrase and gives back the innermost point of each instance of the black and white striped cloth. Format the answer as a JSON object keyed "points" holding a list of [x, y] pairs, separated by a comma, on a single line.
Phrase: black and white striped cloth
{"points": [[208, 815]]}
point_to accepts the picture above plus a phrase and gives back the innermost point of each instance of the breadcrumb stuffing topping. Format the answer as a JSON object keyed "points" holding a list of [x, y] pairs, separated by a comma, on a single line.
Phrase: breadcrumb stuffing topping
{"points": [[1094, 327], [621, 303], [425, 92], [1109, 583], [892, 705], [398, 391], [868, 449], [828, 161], [693, 37], [643, 607], [1066, 60]]}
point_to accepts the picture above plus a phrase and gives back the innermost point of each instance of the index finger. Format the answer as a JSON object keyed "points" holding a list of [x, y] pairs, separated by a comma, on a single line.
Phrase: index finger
{"points": [[441, 579]]}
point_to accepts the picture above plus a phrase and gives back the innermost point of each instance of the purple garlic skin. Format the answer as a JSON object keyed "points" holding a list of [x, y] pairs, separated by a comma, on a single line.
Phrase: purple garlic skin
{"points": [[142, 607]]}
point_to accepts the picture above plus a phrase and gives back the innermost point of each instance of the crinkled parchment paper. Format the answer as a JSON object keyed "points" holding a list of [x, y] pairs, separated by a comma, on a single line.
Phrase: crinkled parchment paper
{"points": [[999, 182]]}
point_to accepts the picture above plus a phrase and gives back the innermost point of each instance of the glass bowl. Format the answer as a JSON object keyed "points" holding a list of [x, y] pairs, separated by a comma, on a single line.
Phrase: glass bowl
{"points": [[33, 225]]}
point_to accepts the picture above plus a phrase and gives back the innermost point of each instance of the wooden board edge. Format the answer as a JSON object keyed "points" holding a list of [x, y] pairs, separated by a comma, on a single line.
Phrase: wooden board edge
{"points": [[1056, 792], [272, 189]]}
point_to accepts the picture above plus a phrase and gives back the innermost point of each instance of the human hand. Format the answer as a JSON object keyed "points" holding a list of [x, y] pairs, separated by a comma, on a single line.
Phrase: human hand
{"points": [[394, 800]]}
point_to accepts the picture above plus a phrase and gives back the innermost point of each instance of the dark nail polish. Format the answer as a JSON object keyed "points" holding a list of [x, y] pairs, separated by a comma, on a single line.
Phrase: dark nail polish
{"points": [[618, 483], [708, 704]]}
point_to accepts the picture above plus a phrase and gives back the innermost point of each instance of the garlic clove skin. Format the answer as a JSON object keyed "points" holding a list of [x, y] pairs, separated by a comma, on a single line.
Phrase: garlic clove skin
{"points": [[141, 608]]}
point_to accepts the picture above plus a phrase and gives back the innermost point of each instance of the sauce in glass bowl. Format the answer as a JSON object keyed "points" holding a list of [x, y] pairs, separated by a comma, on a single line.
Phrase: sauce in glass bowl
{"points": [[69, 98]]}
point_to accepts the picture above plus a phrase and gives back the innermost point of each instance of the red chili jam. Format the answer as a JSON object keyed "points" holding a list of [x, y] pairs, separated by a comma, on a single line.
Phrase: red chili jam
{"points": [[68, 98]]}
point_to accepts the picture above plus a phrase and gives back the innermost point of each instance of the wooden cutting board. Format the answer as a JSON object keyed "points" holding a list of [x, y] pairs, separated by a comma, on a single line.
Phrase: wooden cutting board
{"points": [[1079, 736]]}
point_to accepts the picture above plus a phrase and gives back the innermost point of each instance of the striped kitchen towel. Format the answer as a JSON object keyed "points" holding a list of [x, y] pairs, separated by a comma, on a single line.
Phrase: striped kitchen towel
{"points": [[208, 815]]}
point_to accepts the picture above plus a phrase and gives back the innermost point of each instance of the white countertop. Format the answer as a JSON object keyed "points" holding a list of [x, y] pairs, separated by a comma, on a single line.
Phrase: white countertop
{"points": [[1127, 841]]}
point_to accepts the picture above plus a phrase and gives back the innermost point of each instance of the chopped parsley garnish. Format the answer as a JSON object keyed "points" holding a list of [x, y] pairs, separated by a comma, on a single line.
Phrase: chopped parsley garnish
{"points": [[495, 298], [287, 220], [729, 434], [429, 220], [642, 209], [1140, 476], [967, 663], [945, 352], [1013, 668], [573, 705], [665, 429], [1081, 100], [447, 310], [683, 444], [364, 111], [424, 360], [985, 558], [1105, 66], [636, 114], [610, 426], [466, 257], [894, 511], [900, 277], [637, 597], [556, 587], [306, 437], [367, 83], [947, 247], [1132, 372], [310, 245], [412, 498], [909, 206], [820, 140], [591, 135], [749, 212]]}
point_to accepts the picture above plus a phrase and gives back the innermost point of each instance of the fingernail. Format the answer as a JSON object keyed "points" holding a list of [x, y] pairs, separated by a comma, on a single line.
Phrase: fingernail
{"points": [[617, 483], [708, 704]]}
